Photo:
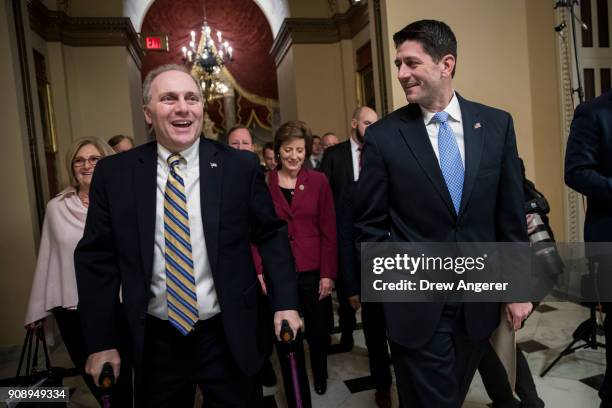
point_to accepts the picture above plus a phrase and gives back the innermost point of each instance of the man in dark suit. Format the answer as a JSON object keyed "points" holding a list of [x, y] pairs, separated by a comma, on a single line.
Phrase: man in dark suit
{"points": [[341, 165], [166, 233], [440, 169], [314, 161], [588, 170]]}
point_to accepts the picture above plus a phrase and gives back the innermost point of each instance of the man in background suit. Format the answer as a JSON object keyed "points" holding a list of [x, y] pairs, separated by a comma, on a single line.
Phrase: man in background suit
{"points": [[588, 170], [314, 161], [328, 140], [372, 314], [341, 165], [165, 230], [440, 169]]}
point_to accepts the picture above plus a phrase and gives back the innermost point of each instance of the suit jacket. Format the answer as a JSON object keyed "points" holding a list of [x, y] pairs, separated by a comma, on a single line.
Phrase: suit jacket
{"points": [[402, 197], [311, 220], [117, 247], [348, 255], [337, 165], [588, 164]]}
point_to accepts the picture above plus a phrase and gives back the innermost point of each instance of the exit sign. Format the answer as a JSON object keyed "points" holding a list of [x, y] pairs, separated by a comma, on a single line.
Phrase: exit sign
{"points": [[154, 42]]}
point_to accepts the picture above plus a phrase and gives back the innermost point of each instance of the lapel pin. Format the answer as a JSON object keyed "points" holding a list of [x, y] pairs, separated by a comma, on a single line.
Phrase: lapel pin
{"points": [[301, 187], [213, 165], [477, 125]]}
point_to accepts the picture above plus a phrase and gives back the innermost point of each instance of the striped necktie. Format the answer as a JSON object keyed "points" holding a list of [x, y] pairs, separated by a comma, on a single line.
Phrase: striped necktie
{"points": [[180, 281], [450, 159]]}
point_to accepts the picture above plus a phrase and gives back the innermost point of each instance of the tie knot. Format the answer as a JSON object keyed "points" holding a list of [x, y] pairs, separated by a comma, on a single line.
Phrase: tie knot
{"points": [[440, 117], [173, 161]]}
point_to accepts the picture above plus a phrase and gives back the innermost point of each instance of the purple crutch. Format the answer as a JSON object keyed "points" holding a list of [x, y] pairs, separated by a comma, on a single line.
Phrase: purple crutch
{"points": [[286, 335]]}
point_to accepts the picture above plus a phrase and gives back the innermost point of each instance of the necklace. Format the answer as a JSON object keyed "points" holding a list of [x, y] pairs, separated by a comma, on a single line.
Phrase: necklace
{"points": [[84, 199]]}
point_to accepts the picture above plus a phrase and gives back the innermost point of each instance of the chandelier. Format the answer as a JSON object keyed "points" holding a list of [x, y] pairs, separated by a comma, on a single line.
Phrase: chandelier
{"points": [[207, 59]]}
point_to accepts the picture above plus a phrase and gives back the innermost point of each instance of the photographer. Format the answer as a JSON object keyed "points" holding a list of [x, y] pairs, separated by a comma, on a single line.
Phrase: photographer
{"points": [[492, 371]]}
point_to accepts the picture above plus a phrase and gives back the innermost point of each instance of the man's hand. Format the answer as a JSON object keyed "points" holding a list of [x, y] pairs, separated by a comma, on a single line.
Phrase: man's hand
{"points": [[96, 361], [516, 313], [262, 283], [354, 302], [325, 287], [292, 317]]}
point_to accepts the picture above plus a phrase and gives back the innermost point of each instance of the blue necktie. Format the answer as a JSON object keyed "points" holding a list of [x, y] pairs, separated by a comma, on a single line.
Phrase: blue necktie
{"points": [[450, 159]]}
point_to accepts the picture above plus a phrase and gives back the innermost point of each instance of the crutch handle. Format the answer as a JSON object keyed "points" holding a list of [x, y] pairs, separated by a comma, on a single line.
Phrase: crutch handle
{"points": [[107, 377], [286, 334]]}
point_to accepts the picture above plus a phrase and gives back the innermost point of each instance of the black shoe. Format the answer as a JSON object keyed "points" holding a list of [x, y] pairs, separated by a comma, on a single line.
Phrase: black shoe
{"points": [[268, 376], [320, 387]]}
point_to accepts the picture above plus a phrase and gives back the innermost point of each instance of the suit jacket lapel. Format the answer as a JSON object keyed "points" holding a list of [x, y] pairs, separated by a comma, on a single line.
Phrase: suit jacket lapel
{"points": [[474, 143], [211, 177], [415, 135], [145, 187]]}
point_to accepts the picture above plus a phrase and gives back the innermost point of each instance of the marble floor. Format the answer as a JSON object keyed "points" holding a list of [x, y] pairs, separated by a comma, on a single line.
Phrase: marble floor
{"points": [[571, 383]]}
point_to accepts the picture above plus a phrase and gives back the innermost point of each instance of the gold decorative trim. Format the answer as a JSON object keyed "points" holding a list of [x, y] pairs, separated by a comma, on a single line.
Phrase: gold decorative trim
{"points": [[259, 100], [342, 26], [57, 26], [380, 58], [253, 117], [50, 113], [573, 218]]}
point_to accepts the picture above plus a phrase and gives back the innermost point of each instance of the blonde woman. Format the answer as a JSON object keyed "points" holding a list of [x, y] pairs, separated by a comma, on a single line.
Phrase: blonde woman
{"points": [[54, 290]]}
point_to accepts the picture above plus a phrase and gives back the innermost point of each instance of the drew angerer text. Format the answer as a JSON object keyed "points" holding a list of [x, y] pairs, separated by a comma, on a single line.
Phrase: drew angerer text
{"points": [[425, 285]]}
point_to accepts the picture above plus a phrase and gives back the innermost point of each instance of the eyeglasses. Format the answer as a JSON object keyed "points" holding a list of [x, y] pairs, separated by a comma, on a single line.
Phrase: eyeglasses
{"points": [[80, 161]]}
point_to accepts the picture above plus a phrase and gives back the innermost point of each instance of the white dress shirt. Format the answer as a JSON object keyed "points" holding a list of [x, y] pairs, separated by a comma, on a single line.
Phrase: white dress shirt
{"points": [[454, 120], [355, 156], [189, 168]]}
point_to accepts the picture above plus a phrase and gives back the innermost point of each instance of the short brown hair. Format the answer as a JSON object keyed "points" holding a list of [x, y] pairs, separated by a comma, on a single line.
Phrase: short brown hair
{"points": [[115, 140], [436, 38], [154, 73], [294, 129], [103, 148]]}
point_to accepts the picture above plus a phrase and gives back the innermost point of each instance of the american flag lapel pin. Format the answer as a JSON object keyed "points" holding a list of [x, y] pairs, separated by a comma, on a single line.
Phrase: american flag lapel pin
{"points": [[213, 165], [477, 125]]}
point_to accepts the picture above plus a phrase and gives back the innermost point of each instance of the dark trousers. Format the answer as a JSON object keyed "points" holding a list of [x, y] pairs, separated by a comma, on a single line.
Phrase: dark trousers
{"points": [[605, 392], [70, 329], [346, 314], [495, 380], [314, 321], [173, 364], [438, 374], [375, 332]]}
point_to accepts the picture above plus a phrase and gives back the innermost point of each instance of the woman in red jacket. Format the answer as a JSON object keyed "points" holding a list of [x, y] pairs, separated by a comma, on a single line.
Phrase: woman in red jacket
{"points": [[303, 198]]}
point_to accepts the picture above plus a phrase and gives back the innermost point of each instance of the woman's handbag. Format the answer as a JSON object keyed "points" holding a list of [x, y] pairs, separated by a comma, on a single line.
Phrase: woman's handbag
{"points": [[33, 377]]}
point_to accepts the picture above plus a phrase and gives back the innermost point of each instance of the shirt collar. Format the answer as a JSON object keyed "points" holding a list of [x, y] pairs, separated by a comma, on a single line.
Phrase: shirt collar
{"points": [[354, 145], [190, 155], [453, 109]]}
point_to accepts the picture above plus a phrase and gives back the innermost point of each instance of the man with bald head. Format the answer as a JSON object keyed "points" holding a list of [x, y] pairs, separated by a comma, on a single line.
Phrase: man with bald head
{"points": [[164, 231], [342, 165], [240, 138]]}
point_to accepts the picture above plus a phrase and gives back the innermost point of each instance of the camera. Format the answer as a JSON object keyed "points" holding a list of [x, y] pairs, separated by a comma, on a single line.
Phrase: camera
{"points": [[547, 258]]}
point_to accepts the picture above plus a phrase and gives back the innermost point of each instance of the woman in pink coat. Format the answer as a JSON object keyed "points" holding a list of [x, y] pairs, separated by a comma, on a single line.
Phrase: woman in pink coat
{"points": [[54, 289]]}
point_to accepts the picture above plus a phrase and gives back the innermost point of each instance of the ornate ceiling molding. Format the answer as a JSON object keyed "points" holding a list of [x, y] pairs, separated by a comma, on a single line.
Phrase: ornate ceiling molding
{"points": [[57, 26], [342, 26]]}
